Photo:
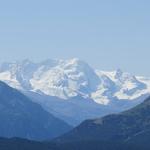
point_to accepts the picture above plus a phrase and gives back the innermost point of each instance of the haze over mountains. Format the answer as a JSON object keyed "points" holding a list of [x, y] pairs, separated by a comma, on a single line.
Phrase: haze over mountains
{"points": [[72, 90]]}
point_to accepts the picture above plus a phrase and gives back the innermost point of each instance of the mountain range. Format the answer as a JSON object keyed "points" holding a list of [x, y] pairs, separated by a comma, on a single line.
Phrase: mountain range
{"points": [[74, 91], [43, 101]]}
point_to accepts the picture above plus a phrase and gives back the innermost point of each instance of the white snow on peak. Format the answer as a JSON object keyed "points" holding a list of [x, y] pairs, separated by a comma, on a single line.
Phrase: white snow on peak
{"points": [[69, 78]]}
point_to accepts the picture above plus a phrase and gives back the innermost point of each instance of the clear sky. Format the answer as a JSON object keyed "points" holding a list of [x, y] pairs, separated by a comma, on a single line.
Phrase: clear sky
{"points": [[108, 34]]}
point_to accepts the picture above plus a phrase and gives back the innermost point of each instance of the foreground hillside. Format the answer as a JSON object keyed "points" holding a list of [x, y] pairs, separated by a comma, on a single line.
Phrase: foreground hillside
{"points": [[129, 130], [20, 117], [22, 144]]}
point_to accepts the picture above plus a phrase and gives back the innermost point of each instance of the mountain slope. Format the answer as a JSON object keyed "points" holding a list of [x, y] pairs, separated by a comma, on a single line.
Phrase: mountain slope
{"points": [[118, 127], [23, 144], [20, 117]]}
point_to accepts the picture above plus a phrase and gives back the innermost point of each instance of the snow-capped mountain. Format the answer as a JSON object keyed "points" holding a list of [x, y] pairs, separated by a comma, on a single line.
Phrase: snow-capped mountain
{"points": [[70, 79]]}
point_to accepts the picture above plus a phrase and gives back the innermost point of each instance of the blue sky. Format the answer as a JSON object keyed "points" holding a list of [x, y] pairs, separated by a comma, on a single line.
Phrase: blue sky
{"points": [[108, 34]]}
